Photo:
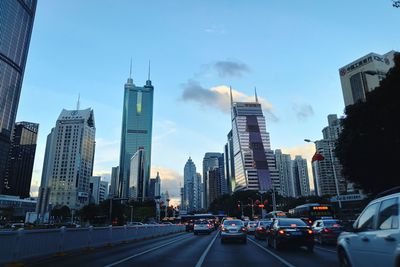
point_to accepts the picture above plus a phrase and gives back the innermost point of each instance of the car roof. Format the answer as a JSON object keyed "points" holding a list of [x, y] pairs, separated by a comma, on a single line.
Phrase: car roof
{"points": [[384, 198]]}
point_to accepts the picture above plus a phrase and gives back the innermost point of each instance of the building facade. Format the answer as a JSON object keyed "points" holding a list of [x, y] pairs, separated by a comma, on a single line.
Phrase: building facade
{"points": [[114, 182], [103, 191], [16, 22], [94, 189], [137, 182], [364, 75], [191, 187], [137, 125], [155, 187], [19, 169], [254, 160], [326, 170], [68, 165], [301, 183], [284, 166], [212, 161]]}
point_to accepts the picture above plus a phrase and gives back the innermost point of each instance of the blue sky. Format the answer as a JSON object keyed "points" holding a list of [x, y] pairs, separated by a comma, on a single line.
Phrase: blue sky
{"points": [[290, 50]]}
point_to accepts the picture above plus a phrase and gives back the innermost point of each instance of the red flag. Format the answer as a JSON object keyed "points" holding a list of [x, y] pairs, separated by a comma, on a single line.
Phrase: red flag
{"points": [[317, 157]]}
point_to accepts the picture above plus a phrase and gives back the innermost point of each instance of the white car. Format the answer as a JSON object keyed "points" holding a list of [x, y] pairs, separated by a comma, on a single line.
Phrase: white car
{"points": [[375, 238], [251, 227], [202, 226]]}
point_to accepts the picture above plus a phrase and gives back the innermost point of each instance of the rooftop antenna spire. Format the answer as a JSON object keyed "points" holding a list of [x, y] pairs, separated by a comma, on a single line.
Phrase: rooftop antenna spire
{"points": [[148, 74], [230, 93], [255, 93], [78, 103]]}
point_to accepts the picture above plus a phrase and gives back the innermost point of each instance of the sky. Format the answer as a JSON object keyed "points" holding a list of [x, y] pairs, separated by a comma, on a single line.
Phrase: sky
{"points": [[290, 50]]}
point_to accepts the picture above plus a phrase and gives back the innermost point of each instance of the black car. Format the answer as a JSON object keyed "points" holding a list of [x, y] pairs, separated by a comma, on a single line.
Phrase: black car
{"points": [[189, 225], [261, 230], [290, 232]]}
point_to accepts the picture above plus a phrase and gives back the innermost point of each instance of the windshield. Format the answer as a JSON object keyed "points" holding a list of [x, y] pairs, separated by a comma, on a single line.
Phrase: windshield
{"points": [[332, 224], [265, 223]]}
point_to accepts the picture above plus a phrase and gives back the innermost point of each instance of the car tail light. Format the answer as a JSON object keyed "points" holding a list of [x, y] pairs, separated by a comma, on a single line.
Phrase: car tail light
{"points": [[260, 228], [281, 232], [309, 232], [326, 230], [243, 229], [223, 229]]}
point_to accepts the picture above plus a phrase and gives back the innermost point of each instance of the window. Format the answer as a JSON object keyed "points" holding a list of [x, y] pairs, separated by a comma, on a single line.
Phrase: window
{"points": [[366, 220], [388, 217]]}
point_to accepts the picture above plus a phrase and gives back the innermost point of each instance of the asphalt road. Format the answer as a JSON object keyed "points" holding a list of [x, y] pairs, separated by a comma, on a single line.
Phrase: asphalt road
{"points": [[186, 249]]}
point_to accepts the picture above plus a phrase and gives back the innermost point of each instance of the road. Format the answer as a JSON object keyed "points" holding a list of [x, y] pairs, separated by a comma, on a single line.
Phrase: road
{"points": [[186, 249]]}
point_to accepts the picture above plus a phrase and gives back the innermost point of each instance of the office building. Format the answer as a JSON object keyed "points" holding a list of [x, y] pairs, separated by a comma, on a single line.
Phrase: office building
{"points": [[114, 182], [69, 159], [137, 124], [364, 75], [103, 191], [253, 158], [192, 190], [155, 187], [328, 178], [19, 169], [301, 181], [94, 188], [284, 166], [137, 182], [229, 164], [16, 22], [212, 161]]}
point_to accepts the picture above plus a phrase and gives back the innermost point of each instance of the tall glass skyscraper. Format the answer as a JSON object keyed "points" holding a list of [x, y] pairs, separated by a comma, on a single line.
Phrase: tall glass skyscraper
{"points": [[16, 21], [137, 125], [253, 159]]}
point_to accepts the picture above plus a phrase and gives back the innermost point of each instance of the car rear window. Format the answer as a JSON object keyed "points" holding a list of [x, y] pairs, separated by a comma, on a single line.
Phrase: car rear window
{"points": [[233, 222], [291, 222], [201, 222], [265, 223], [332, 223]]}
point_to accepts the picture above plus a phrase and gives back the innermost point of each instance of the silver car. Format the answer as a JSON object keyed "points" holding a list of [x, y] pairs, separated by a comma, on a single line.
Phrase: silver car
{"points": [[233, 230], [251, 227]]}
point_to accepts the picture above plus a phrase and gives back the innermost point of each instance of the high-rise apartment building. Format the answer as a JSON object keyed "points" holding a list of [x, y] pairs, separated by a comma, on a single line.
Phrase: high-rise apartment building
{"points": [[137, 124], [328, 179], [253, 158], [212, 161], [137, 183], [284, 166], [364, 75], [301, 181], [18, 174], [69, 157], [191, 187], [16, 22]]}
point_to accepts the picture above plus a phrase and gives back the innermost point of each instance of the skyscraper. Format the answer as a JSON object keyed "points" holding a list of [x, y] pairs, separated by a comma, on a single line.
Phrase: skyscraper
{"points": [[114, 181], [326, 170], [300, 177], [21, 157], [137, 124], [253, 158], [191, 187], [212, 161], [16, 22], [69, 159], [154, 187], [364, 75], [284, 166], [229, 164]]}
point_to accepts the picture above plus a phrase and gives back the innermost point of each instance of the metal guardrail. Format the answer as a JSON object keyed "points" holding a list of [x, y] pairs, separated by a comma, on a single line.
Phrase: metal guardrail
{"points": [[23, 244]]}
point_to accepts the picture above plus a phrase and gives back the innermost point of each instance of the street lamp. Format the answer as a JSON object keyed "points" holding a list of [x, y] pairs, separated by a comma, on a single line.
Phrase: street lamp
{"points": [[333, 167], [252, 208]]}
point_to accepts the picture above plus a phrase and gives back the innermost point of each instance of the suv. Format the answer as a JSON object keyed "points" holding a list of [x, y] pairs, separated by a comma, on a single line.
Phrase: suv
{"points": [[375, 237]]}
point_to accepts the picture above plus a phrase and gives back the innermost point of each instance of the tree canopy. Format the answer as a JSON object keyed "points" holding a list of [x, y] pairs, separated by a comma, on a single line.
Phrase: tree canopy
{"points": [[369, 145]]}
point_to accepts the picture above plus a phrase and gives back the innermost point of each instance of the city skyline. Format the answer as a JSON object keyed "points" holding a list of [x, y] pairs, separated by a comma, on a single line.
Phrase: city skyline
{"points": [[196, 87]]}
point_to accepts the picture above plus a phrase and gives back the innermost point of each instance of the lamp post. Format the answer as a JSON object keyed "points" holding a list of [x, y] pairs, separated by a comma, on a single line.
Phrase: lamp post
{"points": [[252, 208], [130, 206], [333, 168], [260, 193]]}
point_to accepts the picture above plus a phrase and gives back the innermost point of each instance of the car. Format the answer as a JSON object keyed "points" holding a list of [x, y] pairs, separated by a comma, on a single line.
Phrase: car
{"points": [[189, 225], [375, 237], [327, 230], [202, 226], [134, 223], [233, 230], [261, 230], [290, 232], [251, 227]]}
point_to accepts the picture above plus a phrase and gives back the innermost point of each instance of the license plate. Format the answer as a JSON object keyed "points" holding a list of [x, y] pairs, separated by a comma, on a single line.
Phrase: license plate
{"points": [[296, 233], [233, 231]]}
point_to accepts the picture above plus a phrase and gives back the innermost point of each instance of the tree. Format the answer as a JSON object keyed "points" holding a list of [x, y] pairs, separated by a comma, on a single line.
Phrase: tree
{"points": [[369, 145]]}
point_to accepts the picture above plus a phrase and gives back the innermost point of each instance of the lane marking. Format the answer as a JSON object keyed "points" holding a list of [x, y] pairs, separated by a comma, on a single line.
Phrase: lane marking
{"points": [[146, 251], [325, 249], [272, 254], [203, 256]]}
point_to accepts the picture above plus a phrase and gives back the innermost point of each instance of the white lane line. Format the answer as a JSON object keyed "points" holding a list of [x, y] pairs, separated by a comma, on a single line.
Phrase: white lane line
{"points": [[203, 256], [146, 251], [272, 254], [325, 249]]}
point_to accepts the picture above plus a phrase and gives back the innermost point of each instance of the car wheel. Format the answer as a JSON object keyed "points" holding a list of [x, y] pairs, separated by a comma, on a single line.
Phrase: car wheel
{"points": [[268, 242], [343, 259], [276, 244], [320, 240], [195, 233], [222, 241]]}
